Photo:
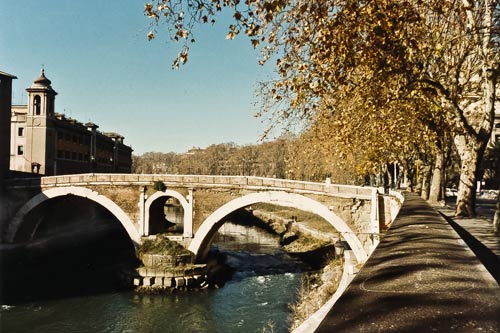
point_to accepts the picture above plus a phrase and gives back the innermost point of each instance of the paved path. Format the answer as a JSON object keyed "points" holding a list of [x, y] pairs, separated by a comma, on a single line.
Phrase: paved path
{"points": [[421, 278], [478, 233]]}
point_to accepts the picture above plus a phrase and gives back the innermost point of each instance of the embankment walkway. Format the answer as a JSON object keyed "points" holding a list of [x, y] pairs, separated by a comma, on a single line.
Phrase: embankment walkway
{"points": [[477, 232], [421, 278]]}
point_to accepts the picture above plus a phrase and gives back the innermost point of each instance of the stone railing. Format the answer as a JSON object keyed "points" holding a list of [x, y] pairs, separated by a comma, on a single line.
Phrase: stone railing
{"points": [[193, 181]]}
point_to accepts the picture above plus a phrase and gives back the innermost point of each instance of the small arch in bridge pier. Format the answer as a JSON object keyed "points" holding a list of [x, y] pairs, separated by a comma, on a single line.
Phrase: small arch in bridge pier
{"points": [[154, 211], [83, 192], [205, 234]]}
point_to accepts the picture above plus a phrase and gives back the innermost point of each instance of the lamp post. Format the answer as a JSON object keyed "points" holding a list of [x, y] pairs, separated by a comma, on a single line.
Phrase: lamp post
{"points": [[339, 249]]}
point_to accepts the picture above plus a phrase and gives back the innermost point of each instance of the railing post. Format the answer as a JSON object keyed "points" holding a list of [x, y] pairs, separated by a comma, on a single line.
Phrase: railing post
{"points": [[374, 220], [188, 215], [143, 228]]}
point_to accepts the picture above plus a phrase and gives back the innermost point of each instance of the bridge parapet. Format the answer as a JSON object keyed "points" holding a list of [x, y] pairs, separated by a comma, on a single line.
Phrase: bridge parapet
{"points": [[194, 181]]}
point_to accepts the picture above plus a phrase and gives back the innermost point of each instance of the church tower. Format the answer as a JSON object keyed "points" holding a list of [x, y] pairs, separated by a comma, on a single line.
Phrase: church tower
{"points": [[40, 135]]}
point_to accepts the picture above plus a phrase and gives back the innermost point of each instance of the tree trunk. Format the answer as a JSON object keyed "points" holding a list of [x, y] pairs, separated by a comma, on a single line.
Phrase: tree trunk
{"points": [[471, 151], [496, 219], [435, 193], [426, 175]]}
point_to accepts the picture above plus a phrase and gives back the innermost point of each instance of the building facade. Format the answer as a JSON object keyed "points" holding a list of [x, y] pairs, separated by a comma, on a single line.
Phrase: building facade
{"points": [[48, 143], [5, 111], [495, 133]]}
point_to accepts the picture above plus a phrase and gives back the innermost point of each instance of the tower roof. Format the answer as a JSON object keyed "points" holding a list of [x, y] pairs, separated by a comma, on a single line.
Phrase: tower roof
{"points": [[41, 81]]}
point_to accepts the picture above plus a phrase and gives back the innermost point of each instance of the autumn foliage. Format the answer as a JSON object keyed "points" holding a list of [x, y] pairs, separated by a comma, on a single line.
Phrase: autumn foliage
{"points": [[375, 82]]}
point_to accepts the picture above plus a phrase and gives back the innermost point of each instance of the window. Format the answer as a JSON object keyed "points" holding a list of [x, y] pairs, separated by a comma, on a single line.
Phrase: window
{"points": [[37, 105], [20, 131], [497, 125], [60, 154], [60, 135], [20, 150], [74, 156], [67, 155]]}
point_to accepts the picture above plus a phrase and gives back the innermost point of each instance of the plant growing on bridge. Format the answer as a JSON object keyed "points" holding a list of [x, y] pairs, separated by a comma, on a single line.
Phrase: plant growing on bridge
{"points": [[161, 245], [159, 186], [444, 51]]}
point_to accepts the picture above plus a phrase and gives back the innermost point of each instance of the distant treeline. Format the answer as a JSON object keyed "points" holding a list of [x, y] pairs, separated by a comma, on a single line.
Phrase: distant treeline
{"points": [[281, 158]]}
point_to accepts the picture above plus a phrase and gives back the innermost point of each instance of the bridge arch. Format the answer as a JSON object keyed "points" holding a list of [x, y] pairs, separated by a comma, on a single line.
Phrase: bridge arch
{"points": [[187, 219], [83, 192], [204, 236]]}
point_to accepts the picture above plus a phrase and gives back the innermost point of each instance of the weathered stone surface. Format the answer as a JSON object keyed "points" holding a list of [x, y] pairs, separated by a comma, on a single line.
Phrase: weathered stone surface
{"points": [[190, 281], [254, 181], [142, 271], [180, 282], [158, 281], [147, 281], [168, 282], [199, 269]]}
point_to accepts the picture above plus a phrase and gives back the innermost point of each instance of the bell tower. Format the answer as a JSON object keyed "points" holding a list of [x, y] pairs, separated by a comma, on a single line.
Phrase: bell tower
{"points": [[41, 97], [40, 134]]}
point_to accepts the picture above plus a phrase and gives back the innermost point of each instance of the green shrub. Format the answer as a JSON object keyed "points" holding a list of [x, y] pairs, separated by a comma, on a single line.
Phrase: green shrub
{"points": [[159, 186]]}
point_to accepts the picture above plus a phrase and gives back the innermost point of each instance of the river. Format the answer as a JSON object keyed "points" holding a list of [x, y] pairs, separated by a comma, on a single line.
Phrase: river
{"points": [[257, 298]]}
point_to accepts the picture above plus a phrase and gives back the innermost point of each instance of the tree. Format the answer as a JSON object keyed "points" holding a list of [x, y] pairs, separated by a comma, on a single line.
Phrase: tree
{"points": [[496, 218], [445, 50]]}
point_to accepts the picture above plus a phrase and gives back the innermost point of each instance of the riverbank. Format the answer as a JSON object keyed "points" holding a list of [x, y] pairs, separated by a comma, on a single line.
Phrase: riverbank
{"points": [[311, 245], [311, 239]]}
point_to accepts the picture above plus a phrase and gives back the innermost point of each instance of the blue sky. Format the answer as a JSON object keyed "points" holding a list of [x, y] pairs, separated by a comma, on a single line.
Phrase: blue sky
{"points": [[100, 62]]}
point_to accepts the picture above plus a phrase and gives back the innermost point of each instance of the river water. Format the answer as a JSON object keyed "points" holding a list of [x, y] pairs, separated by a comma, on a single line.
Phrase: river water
{"points": [[257, 298]]}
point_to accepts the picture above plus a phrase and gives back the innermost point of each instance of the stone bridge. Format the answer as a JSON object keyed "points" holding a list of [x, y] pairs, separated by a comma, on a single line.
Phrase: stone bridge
{"points": [[355, 212]]}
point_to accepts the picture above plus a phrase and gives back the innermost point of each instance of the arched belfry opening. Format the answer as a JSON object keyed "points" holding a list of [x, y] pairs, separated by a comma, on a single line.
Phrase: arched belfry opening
{"points": [[166, 216], [37, 108]]}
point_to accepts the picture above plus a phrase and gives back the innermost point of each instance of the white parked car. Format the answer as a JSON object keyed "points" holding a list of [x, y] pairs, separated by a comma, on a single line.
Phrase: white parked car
{"points": [[451, 192]]}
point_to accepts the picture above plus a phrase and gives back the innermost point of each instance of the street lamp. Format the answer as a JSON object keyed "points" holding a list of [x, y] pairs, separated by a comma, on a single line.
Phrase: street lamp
{"points": [[339, 249]]}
